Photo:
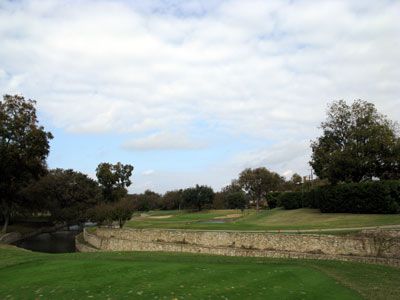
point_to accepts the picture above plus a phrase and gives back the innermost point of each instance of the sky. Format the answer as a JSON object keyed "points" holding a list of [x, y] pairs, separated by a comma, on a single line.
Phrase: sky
{"points": [[193, 92]]}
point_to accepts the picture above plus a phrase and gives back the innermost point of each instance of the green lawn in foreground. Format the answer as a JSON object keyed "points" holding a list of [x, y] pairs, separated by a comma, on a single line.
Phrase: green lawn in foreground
{"points": [[305, 218], [152, 275]]}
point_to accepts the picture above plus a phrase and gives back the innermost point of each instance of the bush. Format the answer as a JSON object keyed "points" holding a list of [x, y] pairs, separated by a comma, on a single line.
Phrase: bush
{"points": [[382, 197], [273, 199], [291, 200]]}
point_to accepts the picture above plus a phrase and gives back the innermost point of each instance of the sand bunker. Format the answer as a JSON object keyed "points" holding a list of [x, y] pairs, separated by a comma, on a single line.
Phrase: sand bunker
{"points": [[231, 216], [160, 217]]}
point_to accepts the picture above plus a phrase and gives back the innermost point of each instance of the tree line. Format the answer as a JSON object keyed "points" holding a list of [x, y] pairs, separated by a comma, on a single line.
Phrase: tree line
{"points": [[252, 188]]}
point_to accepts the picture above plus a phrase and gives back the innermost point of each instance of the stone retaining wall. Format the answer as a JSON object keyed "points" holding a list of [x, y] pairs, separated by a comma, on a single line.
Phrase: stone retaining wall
{"points": [[80, 247], [380, 247]]}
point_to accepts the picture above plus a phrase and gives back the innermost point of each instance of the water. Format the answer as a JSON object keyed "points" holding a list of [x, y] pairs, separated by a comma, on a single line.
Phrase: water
{"points": [[62, 241]]}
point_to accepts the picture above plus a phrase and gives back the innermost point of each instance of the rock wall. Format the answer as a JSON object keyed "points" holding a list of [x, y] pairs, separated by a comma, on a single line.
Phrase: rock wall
{"points": [[379, 247]]}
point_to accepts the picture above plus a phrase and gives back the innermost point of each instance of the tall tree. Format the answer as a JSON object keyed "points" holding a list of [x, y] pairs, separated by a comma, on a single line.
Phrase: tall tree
{"points": [[114, 179], [357, 144], [24, 146], [198, 196], [258, 182]]}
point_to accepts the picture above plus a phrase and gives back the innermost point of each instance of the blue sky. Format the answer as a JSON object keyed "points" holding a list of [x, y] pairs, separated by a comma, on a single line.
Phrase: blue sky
{"points": [[193, 92]]}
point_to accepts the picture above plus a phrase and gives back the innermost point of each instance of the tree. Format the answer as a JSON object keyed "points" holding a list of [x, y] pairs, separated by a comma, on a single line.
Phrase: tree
{"points": [[114, 179], [172, 200], [66, 194], [294, 184], [198, 196], [357, 144], [122, 211], [24, 146], [258, 182], [232, 196], [236, 200]]}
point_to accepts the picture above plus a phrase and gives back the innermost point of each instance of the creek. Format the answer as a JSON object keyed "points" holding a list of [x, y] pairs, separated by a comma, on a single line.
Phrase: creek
{"points": [[60, 241]]}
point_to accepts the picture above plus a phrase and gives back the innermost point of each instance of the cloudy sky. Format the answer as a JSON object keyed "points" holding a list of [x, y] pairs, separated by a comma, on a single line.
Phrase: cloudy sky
{"points": [[195, 91]]}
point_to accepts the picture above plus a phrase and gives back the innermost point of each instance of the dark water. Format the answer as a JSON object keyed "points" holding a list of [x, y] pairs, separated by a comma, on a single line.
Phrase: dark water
{"points": [[62, 241]]}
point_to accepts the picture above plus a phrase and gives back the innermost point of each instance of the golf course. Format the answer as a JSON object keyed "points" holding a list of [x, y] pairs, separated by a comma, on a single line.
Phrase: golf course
{"points": [[165, 275], [265, 220]]}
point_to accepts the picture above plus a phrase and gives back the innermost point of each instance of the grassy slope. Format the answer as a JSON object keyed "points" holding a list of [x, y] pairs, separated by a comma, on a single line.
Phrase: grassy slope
{"points": [[133, 275], [267, 220]]}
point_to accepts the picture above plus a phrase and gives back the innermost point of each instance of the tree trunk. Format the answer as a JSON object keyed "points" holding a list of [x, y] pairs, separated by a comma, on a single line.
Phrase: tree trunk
{"points": [[258, 200]]}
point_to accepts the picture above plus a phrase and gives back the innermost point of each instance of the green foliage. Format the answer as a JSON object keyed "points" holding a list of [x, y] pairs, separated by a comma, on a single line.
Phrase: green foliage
{"points": [[122, 211], [198, 196], [381, 197], [24, 146], [259, 182], [149, 200], [171, 200], [273, 199], [106, 213], [100, 214], [291, 200], [114, 179], [358, 144], [219, 201], [66, 194], [236, 200]]}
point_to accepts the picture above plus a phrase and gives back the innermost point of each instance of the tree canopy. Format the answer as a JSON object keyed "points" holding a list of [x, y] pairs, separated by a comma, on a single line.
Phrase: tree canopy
{"points": [[258, 182], [357, 144], [66, 194], [114, 179], [198, 196], [24, 146]]}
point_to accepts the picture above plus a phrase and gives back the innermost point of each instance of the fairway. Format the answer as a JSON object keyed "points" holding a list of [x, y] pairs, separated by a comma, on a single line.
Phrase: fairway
{"points": [[274, 219], [132, 275]]}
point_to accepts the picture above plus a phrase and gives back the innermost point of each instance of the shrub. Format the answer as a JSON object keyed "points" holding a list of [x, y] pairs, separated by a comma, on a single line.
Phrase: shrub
{"points": [[291, 200], [273, 199], [381, 197]]}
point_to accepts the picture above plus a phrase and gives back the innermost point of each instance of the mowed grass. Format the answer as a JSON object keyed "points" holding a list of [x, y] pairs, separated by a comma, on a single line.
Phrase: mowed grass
{"points": [[153, 275], [278, 218]]}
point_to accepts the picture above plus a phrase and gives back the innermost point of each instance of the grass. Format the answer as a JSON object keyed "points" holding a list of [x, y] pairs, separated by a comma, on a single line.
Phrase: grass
{"points": [[145, 275], [298, 219]]}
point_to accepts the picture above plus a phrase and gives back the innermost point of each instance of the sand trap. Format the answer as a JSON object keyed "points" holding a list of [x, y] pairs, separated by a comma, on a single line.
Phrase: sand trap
{"points": [[160, 217], [229, 216]]}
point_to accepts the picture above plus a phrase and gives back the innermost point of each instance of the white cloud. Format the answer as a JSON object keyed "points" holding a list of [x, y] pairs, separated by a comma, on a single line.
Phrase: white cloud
{"points": [[100, 67], [282, 157], [148, 172], [163, 141]]}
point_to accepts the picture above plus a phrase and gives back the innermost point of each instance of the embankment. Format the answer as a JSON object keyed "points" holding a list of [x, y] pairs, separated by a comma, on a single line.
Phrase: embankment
{"points": [[382, 247]]}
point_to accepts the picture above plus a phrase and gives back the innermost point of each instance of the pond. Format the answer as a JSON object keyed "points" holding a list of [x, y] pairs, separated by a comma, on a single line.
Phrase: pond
{"points": [[61, 241]]}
